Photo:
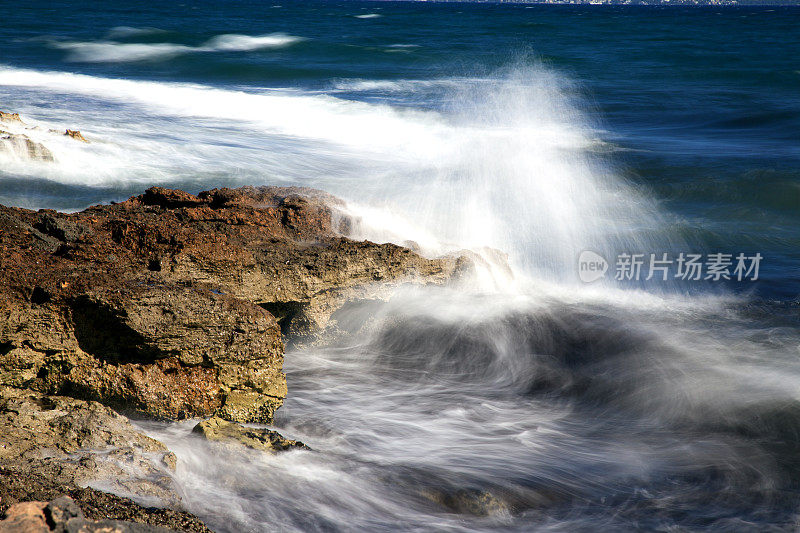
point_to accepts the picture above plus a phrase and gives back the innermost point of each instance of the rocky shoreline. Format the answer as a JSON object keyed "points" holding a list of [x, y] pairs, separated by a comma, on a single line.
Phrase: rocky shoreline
{"points": [[167, 306]]}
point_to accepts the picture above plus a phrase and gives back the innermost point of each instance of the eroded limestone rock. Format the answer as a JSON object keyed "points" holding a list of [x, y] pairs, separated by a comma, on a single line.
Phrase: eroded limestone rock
{"points": [[75, 134], [73, 443], [22, 142]]}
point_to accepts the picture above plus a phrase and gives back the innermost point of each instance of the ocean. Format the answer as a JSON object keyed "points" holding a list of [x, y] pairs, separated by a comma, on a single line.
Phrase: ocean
{"points": [[578, 389]]}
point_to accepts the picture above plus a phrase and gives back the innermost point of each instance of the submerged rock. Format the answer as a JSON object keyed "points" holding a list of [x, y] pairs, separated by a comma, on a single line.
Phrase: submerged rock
{"points": [[217, 429], [469, 501], [20, 146]]}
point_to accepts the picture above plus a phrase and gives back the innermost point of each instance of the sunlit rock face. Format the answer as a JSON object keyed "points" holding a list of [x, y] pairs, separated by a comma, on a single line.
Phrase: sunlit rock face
{"points": [[172, 306]]}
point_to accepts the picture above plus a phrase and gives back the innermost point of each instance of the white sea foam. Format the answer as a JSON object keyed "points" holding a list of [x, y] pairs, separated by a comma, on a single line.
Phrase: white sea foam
{"points": [[385, 85], [508, 164], [129, 31], [115, 52], [450, 84], [582, 396], [630, 381], [369, 16], [506, 167], [234, 42]]}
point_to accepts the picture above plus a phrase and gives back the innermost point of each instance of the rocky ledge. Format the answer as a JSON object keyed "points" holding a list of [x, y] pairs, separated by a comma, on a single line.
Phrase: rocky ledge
{"points": [[167, 306], [172, 306]]}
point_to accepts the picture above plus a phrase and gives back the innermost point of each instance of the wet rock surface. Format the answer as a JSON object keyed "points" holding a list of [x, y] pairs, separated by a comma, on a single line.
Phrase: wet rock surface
{"points": [[19, 141], [6, 116], [50, 445], [171, 305], [75, 134], [166, 306], [21, 146], [219, 430], [75, 443]]}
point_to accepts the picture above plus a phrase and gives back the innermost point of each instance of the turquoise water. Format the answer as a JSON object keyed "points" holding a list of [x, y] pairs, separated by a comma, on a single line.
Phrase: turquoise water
{"points": [[541, 131]]}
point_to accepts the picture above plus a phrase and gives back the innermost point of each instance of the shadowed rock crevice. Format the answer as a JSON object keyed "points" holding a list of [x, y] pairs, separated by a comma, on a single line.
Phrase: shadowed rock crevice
{"points": [[60, 228], [102, 333], [290, 315]]}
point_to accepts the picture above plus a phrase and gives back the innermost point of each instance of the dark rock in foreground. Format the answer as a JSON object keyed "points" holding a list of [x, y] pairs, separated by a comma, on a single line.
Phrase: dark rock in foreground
{"points": [[63, 514], [95, 505]]}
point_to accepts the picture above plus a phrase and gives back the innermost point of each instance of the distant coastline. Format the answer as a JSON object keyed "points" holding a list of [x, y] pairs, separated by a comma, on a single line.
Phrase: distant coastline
{"points": [[697, 3]]}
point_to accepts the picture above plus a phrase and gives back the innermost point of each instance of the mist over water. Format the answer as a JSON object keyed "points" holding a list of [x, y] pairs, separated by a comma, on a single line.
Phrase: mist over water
{"points": [[522, 399], [508, 163]]}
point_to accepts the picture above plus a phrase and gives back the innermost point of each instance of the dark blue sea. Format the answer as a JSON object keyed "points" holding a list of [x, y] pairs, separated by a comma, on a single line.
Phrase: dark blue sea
{"points": [[532, 398]]}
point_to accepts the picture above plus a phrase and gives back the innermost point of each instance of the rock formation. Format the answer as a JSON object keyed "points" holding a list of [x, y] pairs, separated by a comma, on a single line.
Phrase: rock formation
{"points": [[171, 305], [16, 141], [219, 430], [75, 134], [166, 306], [83, 442], [50, 445], [10, 117], [21, 146]]}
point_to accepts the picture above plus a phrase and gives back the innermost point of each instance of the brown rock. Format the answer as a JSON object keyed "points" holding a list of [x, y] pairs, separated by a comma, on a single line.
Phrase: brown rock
{"points": [[96, 505], [52, 445], [219, 430], [173, 305], [63, 514], [76, 443], [10, 117], [75, 134], [168, 305], [25, 517]]}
